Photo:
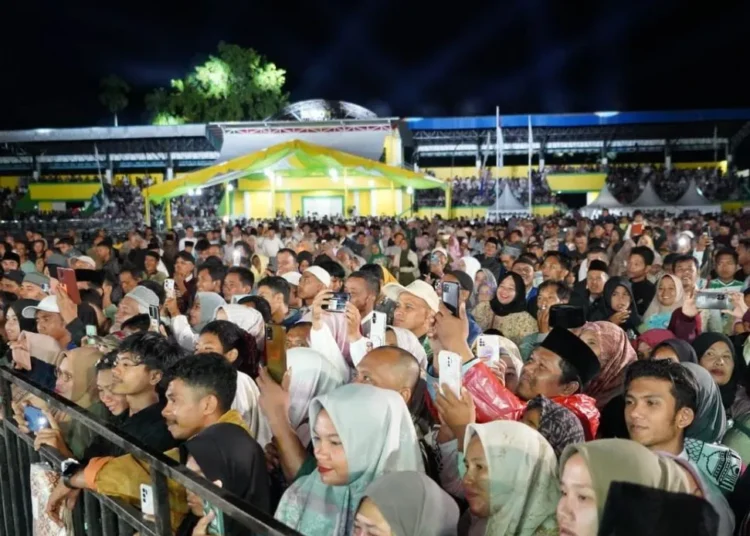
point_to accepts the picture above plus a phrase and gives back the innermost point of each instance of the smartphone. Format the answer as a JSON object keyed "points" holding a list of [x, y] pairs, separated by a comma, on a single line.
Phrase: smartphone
{"points": [[67, 276], [337, 303], [706, 299], [153, 313], [147, 500], [236, 257], [450, 371], [275, 351], [35, 419], [91, 335], [373, 327], [450, 296], [488, 348], [217, 525], [169, 289]]}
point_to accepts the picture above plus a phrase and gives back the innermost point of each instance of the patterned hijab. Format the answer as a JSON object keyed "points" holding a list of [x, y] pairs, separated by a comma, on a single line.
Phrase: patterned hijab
{"points": [[559, 426], [522, 501], [615, 355], [377, 435], [312, 375]]}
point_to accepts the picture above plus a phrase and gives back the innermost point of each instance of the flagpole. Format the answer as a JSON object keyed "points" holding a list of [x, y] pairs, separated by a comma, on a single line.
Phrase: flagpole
{"points": [[531, 150], [498, 152]]}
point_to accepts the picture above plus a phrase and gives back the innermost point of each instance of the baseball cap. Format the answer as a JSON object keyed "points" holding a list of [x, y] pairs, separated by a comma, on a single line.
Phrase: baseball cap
{"points": [[57, 260], [85, 259], [323, 276], [144, 296], [418, 288], [14, 275], [48, 305], [292, 278], [36, 279]]}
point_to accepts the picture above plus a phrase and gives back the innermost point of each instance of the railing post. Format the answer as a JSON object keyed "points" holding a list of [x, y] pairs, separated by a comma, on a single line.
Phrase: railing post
{"points": [[11, 453], [162, 522]]}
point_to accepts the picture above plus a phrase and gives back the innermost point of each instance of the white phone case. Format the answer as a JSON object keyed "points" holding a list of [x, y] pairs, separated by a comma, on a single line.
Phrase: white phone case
{"points": [[377, 329], [169, 289], [147, 500], [488, 348], [450, 371]]}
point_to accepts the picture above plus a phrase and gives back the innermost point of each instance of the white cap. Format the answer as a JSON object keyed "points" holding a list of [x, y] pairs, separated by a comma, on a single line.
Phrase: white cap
{"points": [[292, 278], [418, 288], [87, 260], [48, 305], [441, 250], [323, 276]]}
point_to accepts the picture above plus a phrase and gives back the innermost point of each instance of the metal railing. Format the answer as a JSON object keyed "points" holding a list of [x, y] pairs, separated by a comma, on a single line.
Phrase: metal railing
{"points": [[99, 515]]}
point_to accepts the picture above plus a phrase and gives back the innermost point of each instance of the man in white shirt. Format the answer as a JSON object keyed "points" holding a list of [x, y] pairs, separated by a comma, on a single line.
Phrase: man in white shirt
{"points": [[189, 237], [270, 244]]}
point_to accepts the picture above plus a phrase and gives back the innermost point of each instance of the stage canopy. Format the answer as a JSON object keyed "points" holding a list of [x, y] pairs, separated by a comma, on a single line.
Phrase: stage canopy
{"points": [[605, 199], [693, 198], [507, 203], [295, 160], [648, 199]]}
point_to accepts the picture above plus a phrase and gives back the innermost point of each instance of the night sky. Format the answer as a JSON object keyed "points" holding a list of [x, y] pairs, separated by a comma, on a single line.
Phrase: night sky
{"points": [[396, 57]]}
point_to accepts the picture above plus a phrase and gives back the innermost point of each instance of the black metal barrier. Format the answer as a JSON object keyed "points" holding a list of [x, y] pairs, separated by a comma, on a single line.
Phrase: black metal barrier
{"points": [[95, 514]]}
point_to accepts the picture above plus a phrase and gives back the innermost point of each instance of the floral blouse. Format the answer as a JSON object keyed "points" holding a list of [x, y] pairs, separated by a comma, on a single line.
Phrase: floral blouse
{"points": [[515, 326]]}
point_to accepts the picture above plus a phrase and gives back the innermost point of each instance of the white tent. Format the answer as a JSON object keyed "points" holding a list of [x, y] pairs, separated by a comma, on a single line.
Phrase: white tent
{"points": [[605, 199], [692, 199], [648, 199], [506, 204]]}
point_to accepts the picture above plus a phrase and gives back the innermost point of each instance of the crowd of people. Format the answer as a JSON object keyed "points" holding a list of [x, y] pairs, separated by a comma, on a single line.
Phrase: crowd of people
{"points": [[416, 377], [480, 191]]}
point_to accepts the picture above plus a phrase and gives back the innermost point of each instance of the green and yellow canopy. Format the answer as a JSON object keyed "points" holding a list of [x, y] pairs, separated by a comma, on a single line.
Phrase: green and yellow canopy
{"points": [[295, 166]]}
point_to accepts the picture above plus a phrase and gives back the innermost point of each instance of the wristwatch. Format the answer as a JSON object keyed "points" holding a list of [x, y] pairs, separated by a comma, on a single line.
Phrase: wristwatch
{"points": [[68, 468]]}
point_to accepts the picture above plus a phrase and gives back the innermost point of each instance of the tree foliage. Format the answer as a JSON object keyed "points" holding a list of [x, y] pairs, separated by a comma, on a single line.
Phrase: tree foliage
{"points": [[114, 94], [238, 84]]}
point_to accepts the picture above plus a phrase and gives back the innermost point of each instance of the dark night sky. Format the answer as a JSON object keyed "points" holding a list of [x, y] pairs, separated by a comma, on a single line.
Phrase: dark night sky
{"points": [[396, 57]]}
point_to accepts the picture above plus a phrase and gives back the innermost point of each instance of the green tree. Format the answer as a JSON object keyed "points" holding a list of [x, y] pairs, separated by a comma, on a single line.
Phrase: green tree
{"points": [[238, 84], [114, 94]]}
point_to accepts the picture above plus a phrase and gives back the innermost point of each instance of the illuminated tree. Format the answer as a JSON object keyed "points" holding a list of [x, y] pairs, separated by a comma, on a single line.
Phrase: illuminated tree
{"points": [[114, 94], [236, 85]]}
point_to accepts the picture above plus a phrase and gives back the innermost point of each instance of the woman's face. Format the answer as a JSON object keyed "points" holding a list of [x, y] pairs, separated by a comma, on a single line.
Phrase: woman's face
{"points": [[511, 376], [667, 292], [12, 328], [665, 352], [476, 480], [506, 292], [208, 343], [116, 404], [620, 300], [329, 452], [39, 263], [718, 361], [485, 293], [303, 265], [195, 312], [576, 512], [591, 337], [370, 521], [64, 379], [480, 278]]}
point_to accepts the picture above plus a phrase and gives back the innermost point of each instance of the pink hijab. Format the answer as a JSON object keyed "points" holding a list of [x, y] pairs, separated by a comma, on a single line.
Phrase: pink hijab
{"points": [[653, 338], [616, 354]]}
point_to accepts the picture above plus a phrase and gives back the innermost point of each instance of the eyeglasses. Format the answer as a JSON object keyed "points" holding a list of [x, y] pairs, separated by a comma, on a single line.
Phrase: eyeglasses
{"points": [[62, 375], [715, 358]]}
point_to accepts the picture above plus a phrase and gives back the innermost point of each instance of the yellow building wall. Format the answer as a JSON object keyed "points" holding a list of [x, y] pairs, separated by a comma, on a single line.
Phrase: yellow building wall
{"points": [[45, 206], [63, 191], [10, 182]]}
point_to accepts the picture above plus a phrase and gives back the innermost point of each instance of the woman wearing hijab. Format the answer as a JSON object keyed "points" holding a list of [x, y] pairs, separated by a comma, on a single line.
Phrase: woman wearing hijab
{"points": [[716, 354], [351, 452], [615, 353], [710, 421], [587, 471], [246, 318], [519, 502], [557, 424], [187, 328], [507, 310], [669, 296], [226, 455], [406, 503], [646, 342], [618, 306], [258, 266], [376, 256], [238, 347], [676, 350]]}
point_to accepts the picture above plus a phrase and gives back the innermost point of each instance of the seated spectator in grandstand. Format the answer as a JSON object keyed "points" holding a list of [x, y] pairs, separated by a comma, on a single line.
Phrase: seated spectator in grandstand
{"points": [[639, 264], [35, 286], [200, 393], [276, 291], [12, 281], [151, 262], [237, 282]]}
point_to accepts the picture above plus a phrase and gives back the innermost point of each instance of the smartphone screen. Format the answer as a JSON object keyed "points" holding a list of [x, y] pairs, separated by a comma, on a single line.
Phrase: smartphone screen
{"points": [[338, 301], [275, 352], [35, 418], [67, 276], [450, 296]]}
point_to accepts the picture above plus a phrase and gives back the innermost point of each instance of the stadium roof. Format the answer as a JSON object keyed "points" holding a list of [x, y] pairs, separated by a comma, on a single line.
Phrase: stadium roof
{"points": [[592, 132]]}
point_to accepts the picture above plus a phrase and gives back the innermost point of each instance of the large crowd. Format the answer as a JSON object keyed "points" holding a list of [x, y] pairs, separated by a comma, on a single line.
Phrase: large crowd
{"points": [[416, 377]]}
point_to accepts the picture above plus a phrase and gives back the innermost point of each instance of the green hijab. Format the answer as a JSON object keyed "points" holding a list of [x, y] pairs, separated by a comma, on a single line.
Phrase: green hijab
{"points": [[524, 488], [622, 460], [378, 436]]}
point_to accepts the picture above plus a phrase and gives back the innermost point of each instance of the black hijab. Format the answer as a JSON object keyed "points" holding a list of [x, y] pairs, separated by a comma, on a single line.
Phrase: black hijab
{"points": [[519, 301], [685, 352], [701, 344], [227, 452], [604, 310]]}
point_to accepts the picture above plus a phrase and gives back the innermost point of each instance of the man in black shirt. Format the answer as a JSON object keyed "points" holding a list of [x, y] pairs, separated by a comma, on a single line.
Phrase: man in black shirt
{"points": [[639, 264]]}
